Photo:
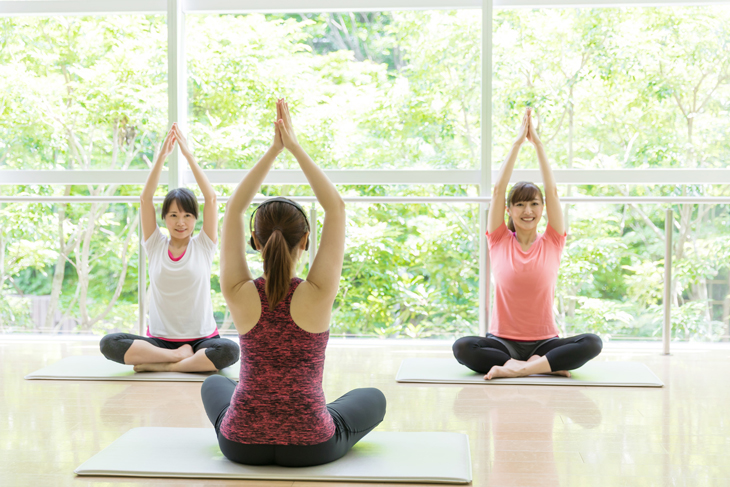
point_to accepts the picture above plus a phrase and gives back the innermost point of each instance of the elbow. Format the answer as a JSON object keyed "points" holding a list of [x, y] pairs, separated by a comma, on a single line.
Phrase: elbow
{"points": [[211, 199], [338, 207], [340, 204]]}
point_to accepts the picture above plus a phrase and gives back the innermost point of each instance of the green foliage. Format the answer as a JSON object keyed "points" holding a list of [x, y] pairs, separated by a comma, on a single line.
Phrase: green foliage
{"points": [[613, 88]]}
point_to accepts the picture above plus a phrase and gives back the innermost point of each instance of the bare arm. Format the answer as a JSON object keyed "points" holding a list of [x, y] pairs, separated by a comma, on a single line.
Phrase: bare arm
{"points": [[327, 267], [210, 212], [146, 199], [496, 209], [552, 200], [234, 268]]}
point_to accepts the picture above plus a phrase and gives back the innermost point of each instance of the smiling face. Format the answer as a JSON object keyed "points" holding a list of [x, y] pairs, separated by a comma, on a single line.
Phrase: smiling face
{"points": [[179, 223], [525, 205], [526, 214]]}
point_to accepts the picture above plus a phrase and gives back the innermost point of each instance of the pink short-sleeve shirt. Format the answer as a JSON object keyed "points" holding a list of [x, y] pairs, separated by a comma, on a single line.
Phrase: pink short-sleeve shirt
{"points": [[524, 284]]}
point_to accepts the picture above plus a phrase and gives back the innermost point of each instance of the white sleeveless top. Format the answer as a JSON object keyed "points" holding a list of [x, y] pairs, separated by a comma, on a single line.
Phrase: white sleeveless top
{"points": [[180, 305]]}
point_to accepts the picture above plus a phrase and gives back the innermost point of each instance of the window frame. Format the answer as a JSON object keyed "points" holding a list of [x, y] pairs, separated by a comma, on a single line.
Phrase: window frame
{"points": [[178, 175]]}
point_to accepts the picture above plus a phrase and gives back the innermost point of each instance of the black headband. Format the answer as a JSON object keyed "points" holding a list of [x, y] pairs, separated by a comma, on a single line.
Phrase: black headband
{"points": [[278, 199]]}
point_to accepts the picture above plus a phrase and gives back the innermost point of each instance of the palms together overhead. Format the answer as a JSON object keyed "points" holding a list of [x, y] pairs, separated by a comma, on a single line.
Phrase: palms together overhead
{"points": [[175, 136]]}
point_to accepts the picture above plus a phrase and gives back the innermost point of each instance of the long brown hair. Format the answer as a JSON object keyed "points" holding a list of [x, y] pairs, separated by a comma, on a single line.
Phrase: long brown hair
{"points": [[522, 191], [279, 228]]}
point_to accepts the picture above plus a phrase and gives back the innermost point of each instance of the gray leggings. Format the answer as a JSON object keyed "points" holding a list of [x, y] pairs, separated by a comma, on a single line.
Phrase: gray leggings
{"points": [[355, 415], [220, 351]]}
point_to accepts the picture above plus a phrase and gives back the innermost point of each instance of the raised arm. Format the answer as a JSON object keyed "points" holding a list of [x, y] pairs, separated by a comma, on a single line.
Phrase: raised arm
{"points": [[327, 267], [210, 212], [552, 200], [146, 199], [234, 268], [496, 208]]}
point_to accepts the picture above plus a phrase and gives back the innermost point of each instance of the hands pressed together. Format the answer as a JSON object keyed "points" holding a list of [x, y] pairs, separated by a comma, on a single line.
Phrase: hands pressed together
{"points": [[284, 136], [527, 130], [175, 135]]}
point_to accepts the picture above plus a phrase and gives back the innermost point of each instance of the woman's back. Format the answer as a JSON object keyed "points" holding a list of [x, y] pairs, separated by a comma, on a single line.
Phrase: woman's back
{"points": [[279, 399], [277, 413]]}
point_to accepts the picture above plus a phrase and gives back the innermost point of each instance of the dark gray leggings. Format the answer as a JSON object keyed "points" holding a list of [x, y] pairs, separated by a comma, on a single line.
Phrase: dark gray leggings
{"points": [[220, 351], [482, 353], [355, 414]]}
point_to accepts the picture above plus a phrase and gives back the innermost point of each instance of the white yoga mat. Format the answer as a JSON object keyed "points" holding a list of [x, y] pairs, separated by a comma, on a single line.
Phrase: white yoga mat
{"points": [[194, 453], [449, 371], [92, 367]]}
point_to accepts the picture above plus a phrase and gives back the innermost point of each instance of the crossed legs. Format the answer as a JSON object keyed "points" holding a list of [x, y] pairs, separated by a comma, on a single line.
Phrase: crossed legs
{"points": [[355, 414], [490, 357], [153, 354]]}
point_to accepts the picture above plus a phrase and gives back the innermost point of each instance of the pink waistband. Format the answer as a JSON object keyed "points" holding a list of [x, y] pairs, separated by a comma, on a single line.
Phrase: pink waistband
{"points": [[181, 339]]}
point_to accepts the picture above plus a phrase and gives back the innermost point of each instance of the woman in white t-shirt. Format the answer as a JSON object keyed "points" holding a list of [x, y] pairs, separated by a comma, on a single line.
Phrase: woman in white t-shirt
{"points": [[182, 335]]}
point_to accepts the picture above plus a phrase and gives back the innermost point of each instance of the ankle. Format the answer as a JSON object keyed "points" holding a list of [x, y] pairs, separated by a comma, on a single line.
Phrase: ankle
{"points": [[180, 355]]}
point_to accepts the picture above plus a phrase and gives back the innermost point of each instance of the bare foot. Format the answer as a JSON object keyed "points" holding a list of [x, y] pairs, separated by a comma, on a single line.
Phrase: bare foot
{"points": [[563, 373], [512, 368], [186, 351], [158, 367]]}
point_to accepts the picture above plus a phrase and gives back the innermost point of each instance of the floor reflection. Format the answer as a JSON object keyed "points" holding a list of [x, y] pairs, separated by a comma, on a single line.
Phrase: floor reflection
{"points": [[517, 427]]}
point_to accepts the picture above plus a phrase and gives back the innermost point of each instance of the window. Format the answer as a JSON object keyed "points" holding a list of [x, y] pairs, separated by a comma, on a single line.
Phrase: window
{"points": [[372, 90]]}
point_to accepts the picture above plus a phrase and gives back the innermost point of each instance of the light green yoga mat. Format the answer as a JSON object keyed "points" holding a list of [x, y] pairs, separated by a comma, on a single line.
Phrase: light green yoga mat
{"points": [[449, 371], [90, 367], [194, 453]]}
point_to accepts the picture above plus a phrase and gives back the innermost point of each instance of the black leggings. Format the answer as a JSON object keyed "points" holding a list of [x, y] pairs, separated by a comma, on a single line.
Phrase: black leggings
{"points": [[355, 414], [220, 351], [482, 353]]}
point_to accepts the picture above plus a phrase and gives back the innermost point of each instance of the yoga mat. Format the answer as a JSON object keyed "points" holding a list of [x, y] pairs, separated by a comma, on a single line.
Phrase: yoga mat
{"points": [[449, 371], [194, 453], [93, 367]]}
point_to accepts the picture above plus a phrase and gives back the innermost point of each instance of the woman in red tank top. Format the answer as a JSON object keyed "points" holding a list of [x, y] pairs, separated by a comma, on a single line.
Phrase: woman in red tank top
{"points": [[277, 414]]}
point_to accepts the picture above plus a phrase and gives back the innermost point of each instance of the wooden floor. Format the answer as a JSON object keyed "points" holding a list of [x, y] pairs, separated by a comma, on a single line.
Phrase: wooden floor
{"points": [[519, 435]]}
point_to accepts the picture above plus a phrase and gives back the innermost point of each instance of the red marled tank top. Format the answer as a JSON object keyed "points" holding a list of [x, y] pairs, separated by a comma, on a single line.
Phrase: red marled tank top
{"points": [[279, 398]]}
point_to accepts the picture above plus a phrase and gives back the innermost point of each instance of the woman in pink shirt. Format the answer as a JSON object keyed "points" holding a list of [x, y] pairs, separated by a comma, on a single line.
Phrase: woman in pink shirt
{"points": [[523, 337]]}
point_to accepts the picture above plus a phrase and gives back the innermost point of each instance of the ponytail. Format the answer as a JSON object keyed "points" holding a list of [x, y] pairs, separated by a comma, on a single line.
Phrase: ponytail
{"points": [[280, 226], [277, 267], [511, 225]]}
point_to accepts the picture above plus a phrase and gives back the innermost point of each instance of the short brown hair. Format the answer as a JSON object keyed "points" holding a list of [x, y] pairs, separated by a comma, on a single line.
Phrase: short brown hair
{"points": [[522, 191]]}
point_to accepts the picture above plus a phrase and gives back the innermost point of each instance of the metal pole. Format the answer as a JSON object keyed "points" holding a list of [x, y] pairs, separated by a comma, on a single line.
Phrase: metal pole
{"points": [[141, 281], [312, 235], [401, 200], [177, 104], [667, 330], [485, 183]]}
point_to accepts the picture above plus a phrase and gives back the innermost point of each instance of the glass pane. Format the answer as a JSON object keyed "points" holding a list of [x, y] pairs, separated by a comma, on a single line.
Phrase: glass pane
{"points": [[615, 87], [82, 93], [409, 270], [82, 281], [611, 279], [367, 90]]}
